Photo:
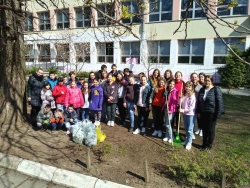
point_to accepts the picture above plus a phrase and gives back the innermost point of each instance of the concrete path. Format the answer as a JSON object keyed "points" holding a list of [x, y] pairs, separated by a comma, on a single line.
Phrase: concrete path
{"points": [[242, 92], [17, 172]]}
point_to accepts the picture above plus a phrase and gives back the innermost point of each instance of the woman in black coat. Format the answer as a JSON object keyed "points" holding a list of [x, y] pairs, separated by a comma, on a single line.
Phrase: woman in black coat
{"points": [[209, 109], [35, 85]]}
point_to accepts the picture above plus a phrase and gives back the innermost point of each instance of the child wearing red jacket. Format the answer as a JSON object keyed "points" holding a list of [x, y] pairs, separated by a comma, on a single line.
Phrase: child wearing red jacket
{"points": [[59, 93], [57, 120], [74, 97]]}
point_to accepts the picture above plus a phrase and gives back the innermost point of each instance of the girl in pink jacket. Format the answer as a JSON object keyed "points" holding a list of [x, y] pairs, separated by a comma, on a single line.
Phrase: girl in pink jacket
{"points": [[170, 109], [74, 97], [188, 111]]}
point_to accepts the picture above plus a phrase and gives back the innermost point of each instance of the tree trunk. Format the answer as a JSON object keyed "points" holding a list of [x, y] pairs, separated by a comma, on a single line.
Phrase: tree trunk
{"points": [[12, 64]]}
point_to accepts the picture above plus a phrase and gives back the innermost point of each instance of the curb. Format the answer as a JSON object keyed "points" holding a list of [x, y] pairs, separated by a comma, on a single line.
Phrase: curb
{"points": [[53, 174]]}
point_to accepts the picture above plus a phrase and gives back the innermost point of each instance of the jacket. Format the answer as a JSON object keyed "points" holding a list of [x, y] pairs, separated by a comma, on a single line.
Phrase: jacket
{"points": [[52, 82], [98, 75], [68, 116], [188, 105], [46, 96], [57, 93], [110, 90], [74, 96], [43, 116], [35, 85], [96, 98], [180, 86], [55, 119], [129, 93], [213, 102], [145, 96], [153, 100], [172, 99]]}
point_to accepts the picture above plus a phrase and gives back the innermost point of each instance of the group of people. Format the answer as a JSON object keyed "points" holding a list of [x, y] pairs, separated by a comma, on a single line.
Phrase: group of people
{"points": [[65, 101]]}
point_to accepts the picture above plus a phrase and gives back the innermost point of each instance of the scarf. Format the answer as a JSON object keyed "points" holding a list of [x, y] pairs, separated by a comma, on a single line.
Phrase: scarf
{"points": [[39, 78]]}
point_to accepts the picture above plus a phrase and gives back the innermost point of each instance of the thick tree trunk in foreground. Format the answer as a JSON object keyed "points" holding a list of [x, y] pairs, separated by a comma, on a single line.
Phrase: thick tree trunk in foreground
{"points": [[12, 63]]}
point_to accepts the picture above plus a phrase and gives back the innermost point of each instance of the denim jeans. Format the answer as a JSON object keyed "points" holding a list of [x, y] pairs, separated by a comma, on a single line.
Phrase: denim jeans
{"points": [[131, 112], [169, 129], [104, 111], [85, 113], [111, 111], [56, 125], [69, 125], [189, 127]]}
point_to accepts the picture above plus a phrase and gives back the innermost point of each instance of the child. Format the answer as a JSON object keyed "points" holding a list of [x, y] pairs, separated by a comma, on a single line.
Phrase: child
{"points": [[85, 94], [171, 108], [188, 110], [46, 96], [96, 99], [128, 101], [74, 97], [43, 117], [57, 120], [121, 83], [70, 116], [110, 98], [59, 93], [65, 81], [80, 82], [156, 100], [52, 80], [142, 95]]}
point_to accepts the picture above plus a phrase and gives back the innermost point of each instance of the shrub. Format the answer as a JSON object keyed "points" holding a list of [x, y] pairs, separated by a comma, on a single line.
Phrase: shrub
{"points": [[53, 69], [30, 70], [82, 74]]}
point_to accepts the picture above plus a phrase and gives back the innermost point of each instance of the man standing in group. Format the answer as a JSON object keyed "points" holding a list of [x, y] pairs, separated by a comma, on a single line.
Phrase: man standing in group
{"points": [[99, 73]]}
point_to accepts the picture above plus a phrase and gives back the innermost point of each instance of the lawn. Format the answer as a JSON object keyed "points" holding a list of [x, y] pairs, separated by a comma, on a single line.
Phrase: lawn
{"points": [[120, 158]]}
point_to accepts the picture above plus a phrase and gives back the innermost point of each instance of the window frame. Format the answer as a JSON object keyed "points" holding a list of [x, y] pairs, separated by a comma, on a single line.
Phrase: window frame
{"points": [[130, 51], [158, 54], [30, 57], [83, 20], [231, 10], [29, 23], [63, 12], [193, 9], [190, 55], [105, 53], [107, 23], [41, 58], [60, 57], [160, 12], [44, 20], [77, 57], [131, 20]]}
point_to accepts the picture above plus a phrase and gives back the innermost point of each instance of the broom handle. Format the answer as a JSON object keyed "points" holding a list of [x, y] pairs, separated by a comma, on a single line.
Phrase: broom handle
{"points": [[169, 123], [179, 118]]}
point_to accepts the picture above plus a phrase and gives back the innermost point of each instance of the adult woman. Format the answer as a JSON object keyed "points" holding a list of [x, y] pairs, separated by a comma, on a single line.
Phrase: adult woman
{"points": [[91, 78], [209, 109], [168, 75], [201, 78], [153, 80], [110, 98], [35, 85]]}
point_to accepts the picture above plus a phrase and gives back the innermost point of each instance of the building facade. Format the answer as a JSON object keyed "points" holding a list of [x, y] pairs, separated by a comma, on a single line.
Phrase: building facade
{"points": [[76, 37]]}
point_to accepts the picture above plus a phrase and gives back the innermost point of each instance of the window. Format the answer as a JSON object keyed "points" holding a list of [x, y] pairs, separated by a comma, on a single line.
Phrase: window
{"points": [[44, 53], [29, 53], [158, 51], [105, 52], [221, 50], [238, 10], [44, 22], [192, 53], [194, 10], [82, 51], [161, 10], [109, 10], [133, 9], [29, 23], [62, 19], [83, 17], [62, 52], [130, 52]]}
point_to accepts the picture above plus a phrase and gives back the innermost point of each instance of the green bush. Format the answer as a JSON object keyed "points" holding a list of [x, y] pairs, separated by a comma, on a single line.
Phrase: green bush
{"points": [[53, 69], [63, 74], [30, 70], [82, 74]]}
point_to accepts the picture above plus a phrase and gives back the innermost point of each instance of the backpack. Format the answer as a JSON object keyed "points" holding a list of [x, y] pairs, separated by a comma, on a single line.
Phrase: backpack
{"points": [[222, 103]]}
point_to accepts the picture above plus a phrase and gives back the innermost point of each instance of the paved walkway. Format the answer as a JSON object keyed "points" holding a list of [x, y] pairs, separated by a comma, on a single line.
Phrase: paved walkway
{"points": [[13, 179], [242, 92]]}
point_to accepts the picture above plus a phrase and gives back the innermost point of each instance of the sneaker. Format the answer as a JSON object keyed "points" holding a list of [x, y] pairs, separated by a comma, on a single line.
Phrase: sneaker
{"points": [[137, 131], [53, 131], [165, 139], [193, 137], [112, 123], [117, 112], [201, 134], [131, 129], [184, 143], [143, 130], [155, 133], [159, 134], [170, 140], [68, 132], [98, 123], [198, 131], [109, 123], [188, 146]]}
